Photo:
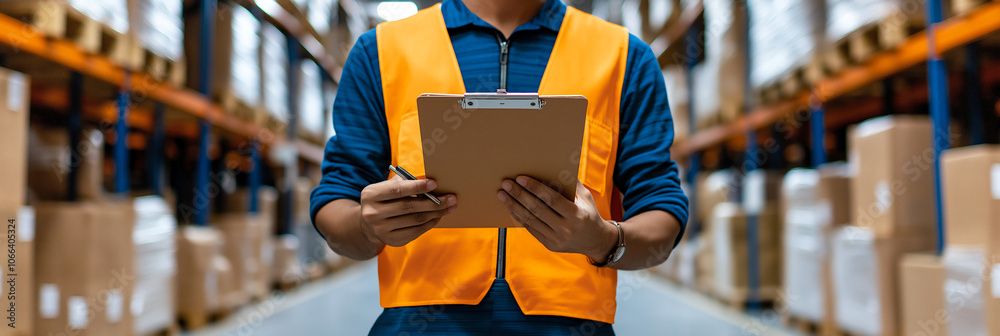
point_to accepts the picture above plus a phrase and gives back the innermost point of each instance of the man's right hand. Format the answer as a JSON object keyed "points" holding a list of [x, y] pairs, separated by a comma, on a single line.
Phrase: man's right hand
{"points": [[391, 215]]}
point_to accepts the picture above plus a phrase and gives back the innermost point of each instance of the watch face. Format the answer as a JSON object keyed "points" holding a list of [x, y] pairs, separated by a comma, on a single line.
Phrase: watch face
{"points": [[619, 253]]}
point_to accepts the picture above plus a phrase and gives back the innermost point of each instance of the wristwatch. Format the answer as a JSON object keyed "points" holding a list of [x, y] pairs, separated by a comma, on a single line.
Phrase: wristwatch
{"points": [[617, 253]]}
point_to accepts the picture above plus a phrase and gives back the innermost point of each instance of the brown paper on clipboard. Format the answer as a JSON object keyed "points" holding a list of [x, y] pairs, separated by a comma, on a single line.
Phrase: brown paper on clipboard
{"points": [[468, 152]]}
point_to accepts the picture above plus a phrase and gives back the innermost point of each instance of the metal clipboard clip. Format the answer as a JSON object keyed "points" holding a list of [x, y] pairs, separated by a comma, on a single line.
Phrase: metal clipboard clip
{"points": [[501, 100]]}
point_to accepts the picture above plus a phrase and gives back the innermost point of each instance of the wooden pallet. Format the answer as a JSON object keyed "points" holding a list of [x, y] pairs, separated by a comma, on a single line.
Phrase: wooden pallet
{"points": [[57, 19], [740, 300], [194, 321], [962, 7], [866, 41], [163, 69], [807, 327], [172, 330]]}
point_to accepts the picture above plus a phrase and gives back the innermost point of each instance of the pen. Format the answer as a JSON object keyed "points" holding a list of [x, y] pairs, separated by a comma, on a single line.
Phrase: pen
{"points": [[406, 175]]}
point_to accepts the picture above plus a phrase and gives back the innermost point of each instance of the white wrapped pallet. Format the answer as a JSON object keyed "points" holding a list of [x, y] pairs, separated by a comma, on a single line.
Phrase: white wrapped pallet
{"points": [[320, 12], [719, 80], [113, 13], [856, 281], [865, 279], [965, 273], [155, 246], [274, 71], [245, 71], [783, 35], [310, 116], [159, 26], [805, 245]]}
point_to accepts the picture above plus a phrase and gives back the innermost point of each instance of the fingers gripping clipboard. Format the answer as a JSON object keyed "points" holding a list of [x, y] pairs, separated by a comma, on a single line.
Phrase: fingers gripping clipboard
{"points": [[472, 142]]}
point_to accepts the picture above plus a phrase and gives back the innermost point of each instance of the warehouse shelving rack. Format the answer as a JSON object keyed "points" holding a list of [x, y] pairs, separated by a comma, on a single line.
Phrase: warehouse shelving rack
{"points": [[24, 39], [940, 36]]}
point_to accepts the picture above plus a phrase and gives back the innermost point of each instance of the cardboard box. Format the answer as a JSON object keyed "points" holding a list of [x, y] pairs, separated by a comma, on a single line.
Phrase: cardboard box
{"points": [[85, 268], [834, 192], [992, 298], [49, 163], [717, 187], [731, 251], [761, 187], [893, 187], [230, 296], [971, 184], [287, 268], [14, 88], [197, 281], [865, 279], [922, 300]]}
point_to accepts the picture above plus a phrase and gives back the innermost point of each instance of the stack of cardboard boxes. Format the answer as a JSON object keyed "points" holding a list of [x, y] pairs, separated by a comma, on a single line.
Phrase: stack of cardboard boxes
{"points": [[19, 298], [893, 214], [86, 268], [971, 191]]}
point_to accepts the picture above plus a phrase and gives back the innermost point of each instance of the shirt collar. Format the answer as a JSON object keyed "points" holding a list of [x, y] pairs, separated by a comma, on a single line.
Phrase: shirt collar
{"points": [[456, 15]]}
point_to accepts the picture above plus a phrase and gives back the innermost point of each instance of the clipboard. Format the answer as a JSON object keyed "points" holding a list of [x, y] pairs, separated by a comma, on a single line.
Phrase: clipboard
{"points": [[474, 141]]}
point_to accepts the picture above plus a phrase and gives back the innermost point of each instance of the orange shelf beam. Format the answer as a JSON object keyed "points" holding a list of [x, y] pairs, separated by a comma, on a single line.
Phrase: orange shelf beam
{"points": [[24, 38], [950, 34]]}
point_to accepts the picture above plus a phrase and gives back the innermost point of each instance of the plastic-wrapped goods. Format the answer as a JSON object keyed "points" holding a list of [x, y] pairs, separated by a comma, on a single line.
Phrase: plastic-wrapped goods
{"points": [[113, 13], [274, 71], [865, 278], [235, 63], [965, 274], [245, 72], [310, 117], [677, 91], [156, 268], [320, 12], [805, 257], [805, 245], [846, 16], [856, 281], [783, 36], [730, 231], [719, 80], [197, 279], [49, 162], [159, 26]]}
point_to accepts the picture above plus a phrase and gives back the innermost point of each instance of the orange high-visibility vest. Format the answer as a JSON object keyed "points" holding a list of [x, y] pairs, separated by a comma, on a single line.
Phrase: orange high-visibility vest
{"points": [[458, 266]]}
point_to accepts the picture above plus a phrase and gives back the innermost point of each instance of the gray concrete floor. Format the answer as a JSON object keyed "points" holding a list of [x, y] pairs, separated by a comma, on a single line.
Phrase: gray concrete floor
{"points": [[346, 304]]}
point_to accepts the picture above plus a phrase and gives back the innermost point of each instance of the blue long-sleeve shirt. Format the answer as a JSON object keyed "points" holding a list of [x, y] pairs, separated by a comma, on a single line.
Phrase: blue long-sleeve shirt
{"points": [[358, 154]]}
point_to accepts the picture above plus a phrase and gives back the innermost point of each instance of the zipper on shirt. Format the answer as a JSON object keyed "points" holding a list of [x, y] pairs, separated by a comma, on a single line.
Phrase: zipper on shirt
{"points": [[502, 232]]}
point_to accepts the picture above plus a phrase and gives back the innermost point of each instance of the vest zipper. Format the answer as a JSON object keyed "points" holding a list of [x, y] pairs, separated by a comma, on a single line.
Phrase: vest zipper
{"points": [[502, 232]]}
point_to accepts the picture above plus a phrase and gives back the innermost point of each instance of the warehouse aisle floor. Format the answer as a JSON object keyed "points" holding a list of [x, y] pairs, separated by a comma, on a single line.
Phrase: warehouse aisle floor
{"points": [[346, 304]]}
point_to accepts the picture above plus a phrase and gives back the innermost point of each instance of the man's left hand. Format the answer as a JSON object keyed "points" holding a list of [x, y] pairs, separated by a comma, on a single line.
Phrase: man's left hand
{"points": [[559, 224]]}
